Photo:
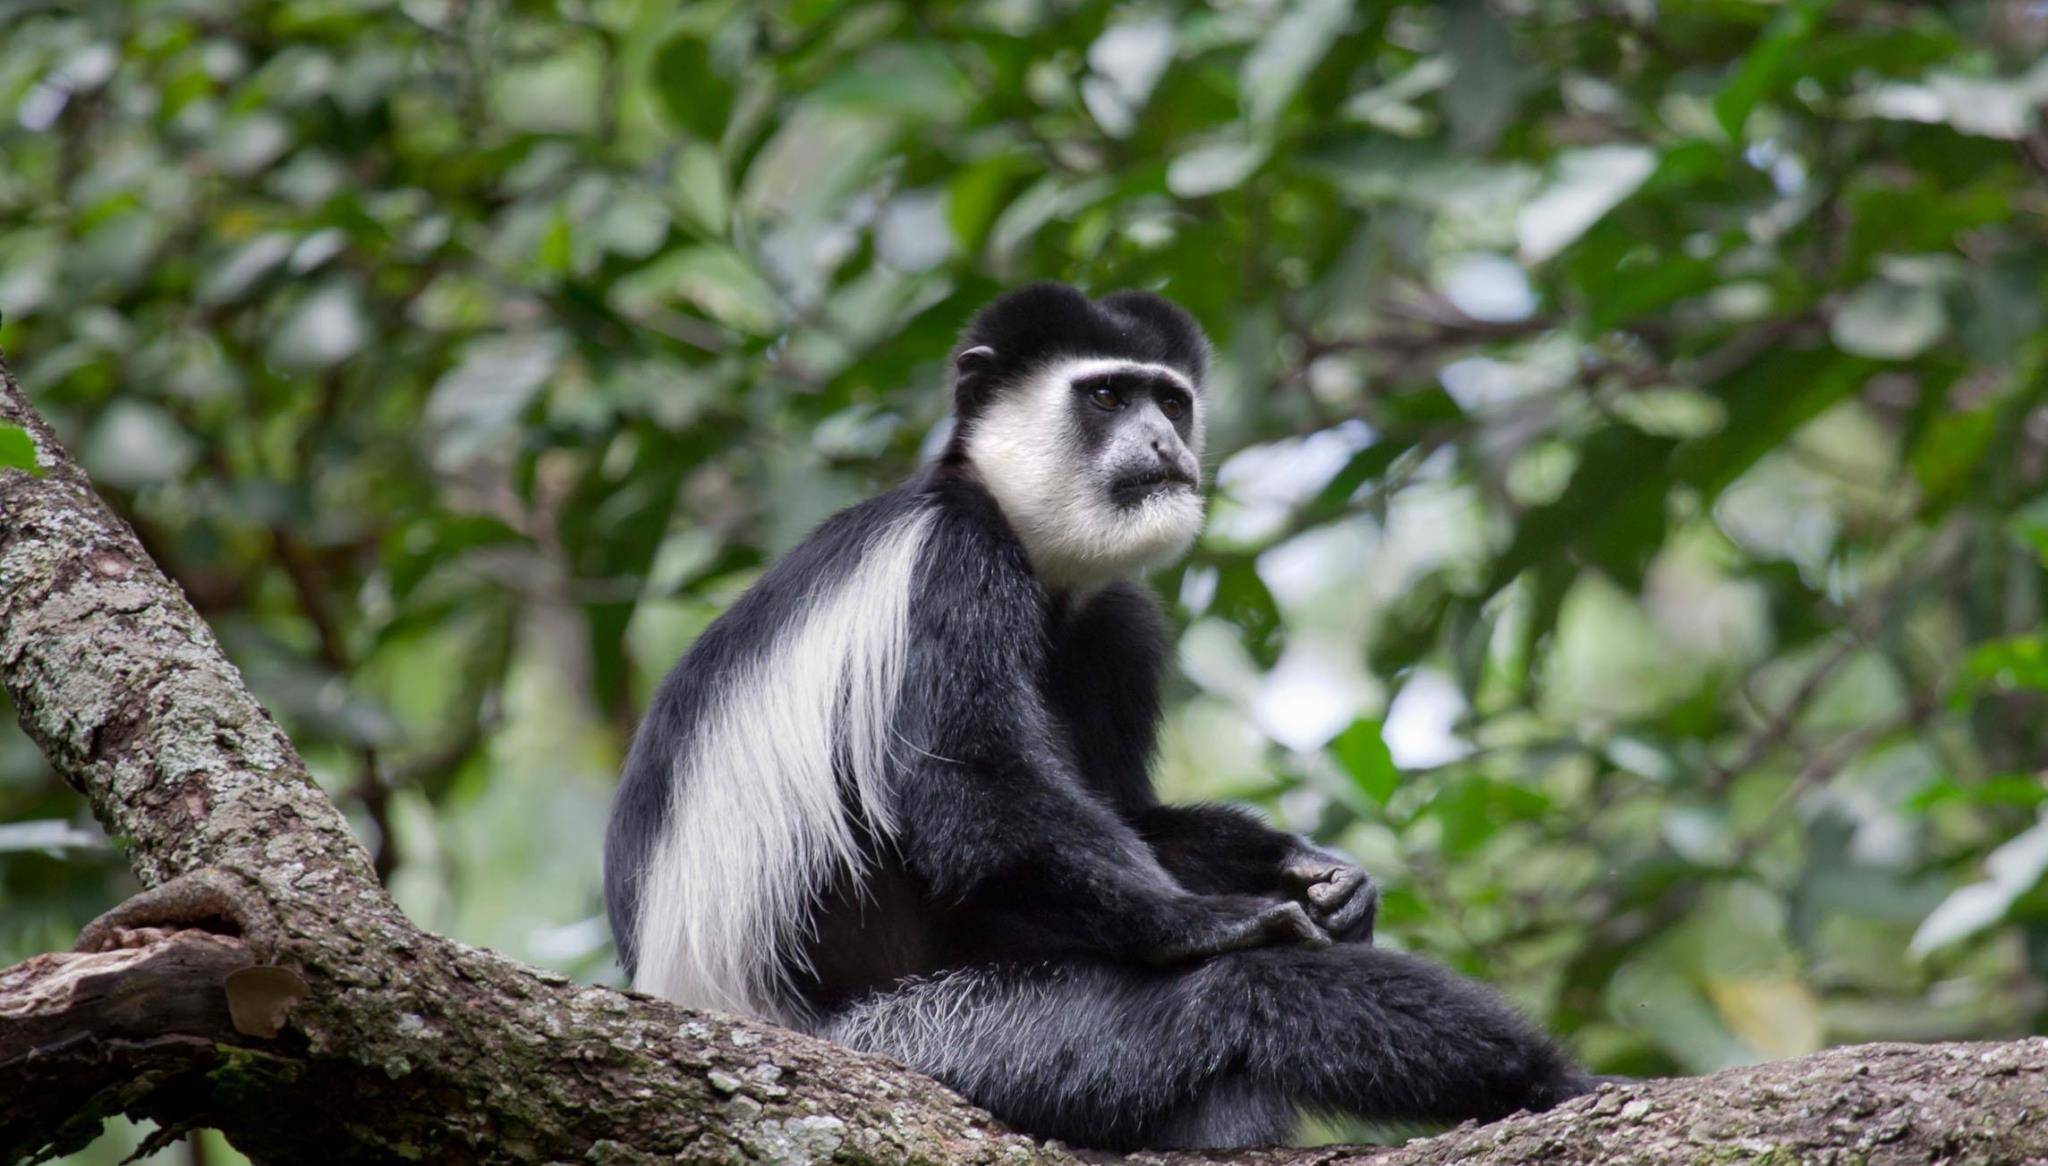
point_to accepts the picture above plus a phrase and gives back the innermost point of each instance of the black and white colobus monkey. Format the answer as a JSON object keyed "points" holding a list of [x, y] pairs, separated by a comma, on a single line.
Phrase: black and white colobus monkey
{"points": [[898, 796]]}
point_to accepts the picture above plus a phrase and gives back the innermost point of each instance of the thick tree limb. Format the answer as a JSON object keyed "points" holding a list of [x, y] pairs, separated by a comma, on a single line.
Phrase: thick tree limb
{"points": [[89, 1035], [301, 1013], [151, 1024]]}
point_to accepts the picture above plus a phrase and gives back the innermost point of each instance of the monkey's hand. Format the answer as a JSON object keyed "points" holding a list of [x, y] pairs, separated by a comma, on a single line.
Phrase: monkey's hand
{"points": [[1340, 897], [1214, 924]]}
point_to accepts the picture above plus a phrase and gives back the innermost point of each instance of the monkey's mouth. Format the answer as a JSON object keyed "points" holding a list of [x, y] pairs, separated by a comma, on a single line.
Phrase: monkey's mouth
{"points": [[1131, 489]]}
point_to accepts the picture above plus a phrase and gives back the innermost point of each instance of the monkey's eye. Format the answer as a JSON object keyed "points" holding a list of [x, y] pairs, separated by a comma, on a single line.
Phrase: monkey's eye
{"points": [[1173, 407], [1105, 398]]}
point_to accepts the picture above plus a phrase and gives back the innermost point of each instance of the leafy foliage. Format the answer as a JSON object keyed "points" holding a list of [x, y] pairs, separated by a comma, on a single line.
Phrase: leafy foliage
{"points": [[17, 449], [1630, 522]]}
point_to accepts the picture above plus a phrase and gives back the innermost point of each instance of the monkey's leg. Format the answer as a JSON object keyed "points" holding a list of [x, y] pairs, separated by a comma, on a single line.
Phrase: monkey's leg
{"points": [[1221, 1052], [1102, 1055], [1380, 1034]]}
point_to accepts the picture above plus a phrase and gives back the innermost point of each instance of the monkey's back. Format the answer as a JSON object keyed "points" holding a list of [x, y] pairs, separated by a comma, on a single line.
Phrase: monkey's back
{"points": [[757, 782]]}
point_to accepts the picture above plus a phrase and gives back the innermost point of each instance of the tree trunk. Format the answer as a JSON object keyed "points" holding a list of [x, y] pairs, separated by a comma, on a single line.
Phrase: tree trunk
{"points": [[265, 984]]}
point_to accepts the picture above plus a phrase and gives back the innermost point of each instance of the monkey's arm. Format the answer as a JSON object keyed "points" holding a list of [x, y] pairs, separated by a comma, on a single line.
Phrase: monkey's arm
{"points": [[1227, 851], [1106, 666], [1038, 866], [991, 811]]}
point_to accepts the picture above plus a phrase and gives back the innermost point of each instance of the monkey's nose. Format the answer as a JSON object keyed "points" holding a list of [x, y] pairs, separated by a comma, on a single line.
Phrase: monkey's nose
{"points": [[1174, 457]]}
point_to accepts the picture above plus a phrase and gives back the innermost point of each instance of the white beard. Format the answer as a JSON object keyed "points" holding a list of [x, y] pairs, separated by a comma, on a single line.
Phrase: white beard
{"points": [[1023, 450]]}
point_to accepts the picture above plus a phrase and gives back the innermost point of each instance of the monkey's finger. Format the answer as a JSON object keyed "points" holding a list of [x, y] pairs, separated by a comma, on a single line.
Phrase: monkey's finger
{"points": [[1354, 919], [1306, 873], [1337, 888], [1287, 922]]}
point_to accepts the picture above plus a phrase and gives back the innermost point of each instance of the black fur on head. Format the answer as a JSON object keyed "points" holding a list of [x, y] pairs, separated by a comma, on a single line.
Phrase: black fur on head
{"points": [[1043, 321]]}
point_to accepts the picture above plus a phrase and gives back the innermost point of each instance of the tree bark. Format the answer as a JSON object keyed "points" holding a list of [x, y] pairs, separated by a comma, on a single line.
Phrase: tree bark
{"points": [[265, 985]]}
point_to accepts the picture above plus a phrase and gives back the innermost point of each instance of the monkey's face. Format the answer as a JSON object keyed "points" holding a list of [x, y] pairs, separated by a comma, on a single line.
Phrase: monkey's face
{"points": [[1096, 463]]}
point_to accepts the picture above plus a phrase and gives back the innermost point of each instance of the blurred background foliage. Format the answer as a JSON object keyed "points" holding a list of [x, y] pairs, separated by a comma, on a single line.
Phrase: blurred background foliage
{"points": [[1631, 447]]}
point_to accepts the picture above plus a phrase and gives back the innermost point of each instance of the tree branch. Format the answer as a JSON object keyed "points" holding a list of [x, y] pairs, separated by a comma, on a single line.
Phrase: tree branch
{"points": [[296, 1009], [157, 1011]]}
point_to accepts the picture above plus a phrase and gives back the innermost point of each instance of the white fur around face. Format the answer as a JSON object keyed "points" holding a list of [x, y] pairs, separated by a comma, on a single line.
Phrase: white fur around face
{"points": [[759, 826], [1024, 450]]}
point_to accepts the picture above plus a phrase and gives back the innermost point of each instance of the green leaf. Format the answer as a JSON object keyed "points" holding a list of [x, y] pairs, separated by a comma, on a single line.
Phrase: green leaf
{"points": [[974, 197], [2029, 527], [1759, 70], [910, 80], [558, 244], [134, 443], [1214, 167], [1635, 291], [1889, 321], [1473, 809], [692, 92], [1491, 77], [717, 280], [51, 836], [1950, 452], [1363, 753], [477, 404], [1334, 499], [1767, 399], [2014, 870], [702, 191], [1612, 511], [413, 551], [235, 273], [2017, 789], [1243, 600], [328, 326], [1289, 51], [721, 282], [2016, 663], [1587, 183], [17, 450], [1410, 629]]}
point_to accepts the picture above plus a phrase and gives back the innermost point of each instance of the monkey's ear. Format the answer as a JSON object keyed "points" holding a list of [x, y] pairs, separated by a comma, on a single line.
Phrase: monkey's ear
{"points": [[973, 368]]}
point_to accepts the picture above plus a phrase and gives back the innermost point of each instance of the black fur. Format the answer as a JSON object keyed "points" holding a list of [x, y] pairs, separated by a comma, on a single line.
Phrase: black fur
{"points": [[1041, 933], [1045, 321]]}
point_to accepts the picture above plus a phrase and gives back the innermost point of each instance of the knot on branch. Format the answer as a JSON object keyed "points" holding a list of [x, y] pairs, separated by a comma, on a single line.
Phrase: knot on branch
{"points": [[219, 900]]}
